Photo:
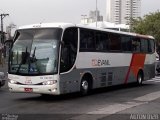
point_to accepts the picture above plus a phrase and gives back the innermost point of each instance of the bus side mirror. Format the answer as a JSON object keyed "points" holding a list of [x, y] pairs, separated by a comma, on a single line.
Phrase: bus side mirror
{"points": [[9, 43]]}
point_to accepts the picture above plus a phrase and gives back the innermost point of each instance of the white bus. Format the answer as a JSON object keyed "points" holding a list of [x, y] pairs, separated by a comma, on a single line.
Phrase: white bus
{"points": [[60, 58]]}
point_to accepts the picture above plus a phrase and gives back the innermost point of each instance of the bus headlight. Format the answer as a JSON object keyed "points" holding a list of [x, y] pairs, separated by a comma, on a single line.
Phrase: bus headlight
{"points": [[12, 81], [50, 82]]}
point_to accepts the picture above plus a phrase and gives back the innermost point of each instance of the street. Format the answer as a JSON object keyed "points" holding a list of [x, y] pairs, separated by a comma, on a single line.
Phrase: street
{"points": [[118, 102]]}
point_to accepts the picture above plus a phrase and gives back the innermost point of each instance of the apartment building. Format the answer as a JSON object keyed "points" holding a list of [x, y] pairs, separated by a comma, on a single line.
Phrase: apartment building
{"points": [[120, 11]]}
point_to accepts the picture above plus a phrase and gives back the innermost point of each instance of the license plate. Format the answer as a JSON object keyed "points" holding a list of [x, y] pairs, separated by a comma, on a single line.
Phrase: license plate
{"points": [[28, 89]]}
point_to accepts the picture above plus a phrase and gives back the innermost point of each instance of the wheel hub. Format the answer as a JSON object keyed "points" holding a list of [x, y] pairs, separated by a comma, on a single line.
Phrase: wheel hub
{"points": [[85, 85]]}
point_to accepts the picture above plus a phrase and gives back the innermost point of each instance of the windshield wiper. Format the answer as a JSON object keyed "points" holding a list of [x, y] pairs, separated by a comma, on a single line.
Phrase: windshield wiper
{"points": [[33, 58], [34, 52], [23, 60]]}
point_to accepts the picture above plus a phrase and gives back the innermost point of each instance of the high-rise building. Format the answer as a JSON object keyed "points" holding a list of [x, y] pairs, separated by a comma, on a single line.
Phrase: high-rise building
{"points": [[120, 11], [93, 17]]}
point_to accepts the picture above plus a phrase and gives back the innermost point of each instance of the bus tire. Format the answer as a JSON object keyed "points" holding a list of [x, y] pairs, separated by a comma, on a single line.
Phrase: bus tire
{"points": [[85, 87], [140, 78]]}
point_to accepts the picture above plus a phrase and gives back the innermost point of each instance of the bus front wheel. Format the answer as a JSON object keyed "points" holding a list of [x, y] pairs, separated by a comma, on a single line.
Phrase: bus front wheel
{"points": [[84, 87]]}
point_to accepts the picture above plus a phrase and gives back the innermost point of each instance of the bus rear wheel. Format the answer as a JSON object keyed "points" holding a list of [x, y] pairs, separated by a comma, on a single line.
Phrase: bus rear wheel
{"points": [[85, 87], [140, 78]]}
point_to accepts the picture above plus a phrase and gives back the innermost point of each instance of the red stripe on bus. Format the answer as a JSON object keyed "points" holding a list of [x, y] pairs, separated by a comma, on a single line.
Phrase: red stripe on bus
{"points": [[126, 79], [137, 63]]}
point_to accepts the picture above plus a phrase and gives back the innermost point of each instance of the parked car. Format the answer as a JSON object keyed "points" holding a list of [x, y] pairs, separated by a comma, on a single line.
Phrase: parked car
{"points": [[2, 79]]}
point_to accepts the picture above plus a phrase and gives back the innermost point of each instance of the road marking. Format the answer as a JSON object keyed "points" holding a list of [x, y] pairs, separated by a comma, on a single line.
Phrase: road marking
{"points": [[149, 97], [156, 79], [115, 108], [153, 80], [88, 117], [112, 109], [106, 111]]}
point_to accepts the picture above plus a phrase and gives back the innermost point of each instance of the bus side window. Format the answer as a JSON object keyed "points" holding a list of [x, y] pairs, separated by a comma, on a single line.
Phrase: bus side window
{"points": [[144, 45], [151, 47], [136, 45], [87, 40], [83, 40], [90, 41], [126, 43], [102, 41], [115, 42]]}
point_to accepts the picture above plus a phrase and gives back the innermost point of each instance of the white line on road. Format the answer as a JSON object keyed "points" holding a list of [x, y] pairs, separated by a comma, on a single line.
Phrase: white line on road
{"points": [[112, 109], [156, 79], [153, 80], [115, 108], [149, 97]]}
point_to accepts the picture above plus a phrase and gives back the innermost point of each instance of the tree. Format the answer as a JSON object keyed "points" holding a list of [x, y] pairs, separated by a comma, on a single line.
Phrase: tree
{"points": [[148, 25]]}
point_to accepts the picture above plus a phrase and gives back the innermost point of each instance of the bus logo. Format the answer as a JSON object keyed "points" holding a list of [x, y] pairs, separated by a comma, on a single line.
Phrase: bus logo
{"points": [[98, 62]]}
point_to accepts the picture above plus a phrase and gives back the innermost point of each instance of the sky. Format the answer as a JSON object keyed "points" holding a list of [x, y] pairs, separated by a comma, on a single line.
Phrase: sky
{"points": [[23, 12]]}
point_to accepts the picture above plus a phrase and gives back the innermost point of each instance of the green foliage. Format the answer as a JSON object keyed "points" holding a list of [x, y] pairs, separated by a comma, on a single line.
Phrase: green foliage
{"points": [[148, 25]]}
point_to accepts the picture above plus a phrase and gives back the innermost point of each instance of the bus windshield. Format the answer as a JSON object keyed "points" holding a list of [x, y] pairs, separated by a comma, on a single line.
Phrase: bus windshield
{"points": [[35, 52]]}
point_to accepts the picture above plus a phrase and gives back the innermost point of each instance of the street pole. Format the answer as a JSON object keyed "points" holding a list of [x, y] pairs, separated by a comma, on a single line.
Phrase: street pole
{"points": [[96, 13], [2, 33]]}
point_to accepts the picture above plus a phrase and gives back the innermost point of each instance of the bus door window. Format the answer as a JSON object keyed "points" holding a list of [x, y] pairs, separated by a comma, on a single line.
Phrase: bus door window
{"points": [[69, 49], [64, 59]]}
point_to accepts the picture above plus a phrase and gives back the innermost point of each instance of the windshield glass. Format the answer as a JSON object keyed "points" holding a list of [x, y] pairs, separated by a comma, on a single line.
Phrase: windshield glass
{"points": [[35, 51]]}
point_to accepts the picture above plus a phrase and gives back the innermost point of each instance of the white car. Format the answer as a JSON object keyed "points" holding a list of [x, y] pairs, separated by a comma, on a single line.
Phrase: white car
{"points": [[2, 79]]}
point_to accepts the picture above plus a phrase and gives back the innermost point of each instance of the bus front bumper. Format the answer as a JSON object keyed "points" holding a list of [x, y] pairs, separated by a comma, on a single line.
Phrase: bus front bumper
{"points": [[40, 89]]}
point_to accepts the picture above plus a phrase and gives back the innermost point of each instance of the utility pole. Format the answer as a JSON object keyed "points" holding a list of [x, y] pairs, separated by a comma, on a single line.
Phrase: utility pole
{"points": [[2, 33], [96, 13]]}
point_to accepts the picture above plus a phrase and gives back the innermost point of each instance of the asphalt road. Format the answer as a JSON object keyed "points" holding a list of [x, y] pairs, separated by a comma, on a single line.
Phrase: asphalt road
{"points": [[114, 103]]}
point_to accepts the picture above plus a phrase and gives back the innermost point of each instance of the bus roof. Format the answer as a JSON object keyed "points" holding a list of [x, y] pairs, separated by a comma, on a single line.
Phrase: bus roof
{"points": [[47, 25], [66, 25]]}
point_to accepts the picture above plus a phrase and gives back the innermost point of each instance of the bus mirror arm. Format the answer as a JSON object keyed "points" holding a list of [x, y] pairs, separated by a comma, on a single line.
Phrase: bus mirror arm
{"points": [[62, 43]]}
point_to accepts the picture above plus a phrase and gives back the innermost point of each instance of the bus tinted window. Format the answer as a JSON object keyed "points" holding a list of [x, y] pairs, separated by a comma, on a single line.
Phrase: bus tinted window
{"points": [[102, 41], [126, 43], [144, 45], [115, 42], [136, 45], [87, 40], [151, 46]]}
